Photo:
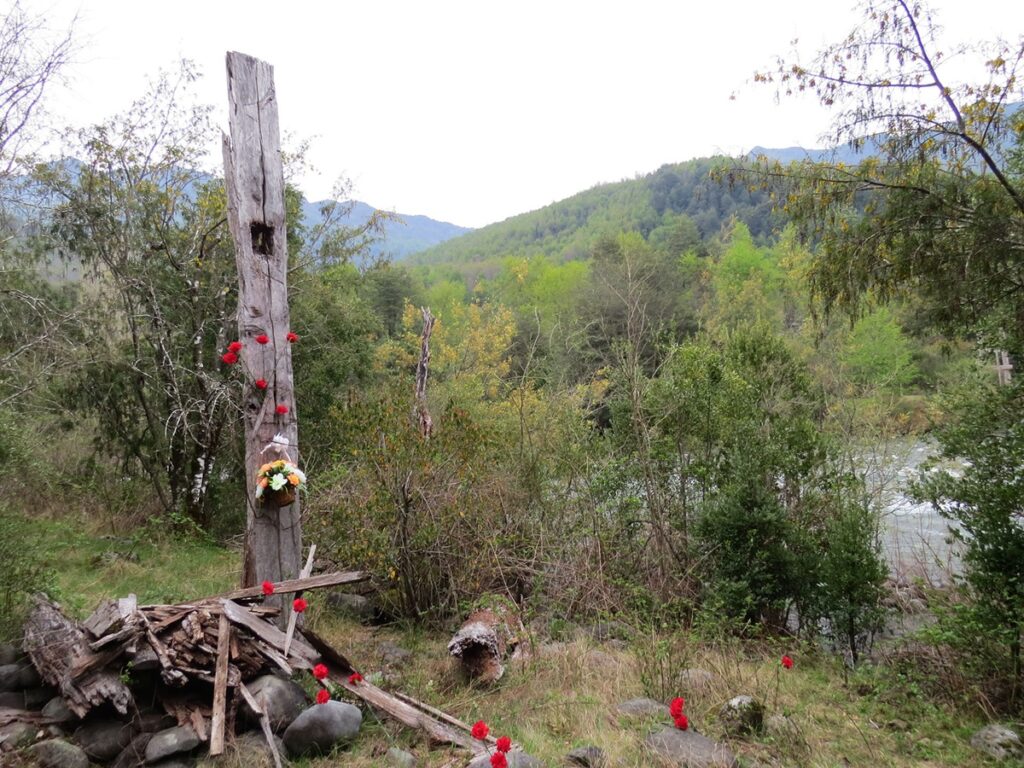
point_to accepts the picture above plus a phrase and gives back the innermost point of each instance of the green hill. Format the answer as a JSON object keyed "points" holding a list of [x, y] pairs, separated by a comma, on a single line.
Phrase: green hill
{"points": [[569, 228]]}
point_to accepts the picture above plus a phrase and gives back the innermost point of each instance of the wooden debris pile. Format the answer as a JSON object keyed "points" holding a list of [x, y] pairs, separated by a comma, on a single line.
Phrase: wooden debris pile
{"points": [[196, 659]]}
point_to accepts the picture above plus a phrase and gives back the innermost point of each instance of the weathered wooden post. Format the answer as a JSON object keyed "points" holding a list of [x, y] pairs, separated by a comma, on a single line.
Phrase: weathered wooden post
{"points": [[254, 179]]}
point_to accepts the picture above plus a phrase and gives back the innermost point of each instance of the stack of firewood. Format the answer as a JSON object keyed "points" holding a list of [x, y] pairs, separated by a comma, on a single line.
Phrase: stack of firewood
{"points": [[198, 659]]}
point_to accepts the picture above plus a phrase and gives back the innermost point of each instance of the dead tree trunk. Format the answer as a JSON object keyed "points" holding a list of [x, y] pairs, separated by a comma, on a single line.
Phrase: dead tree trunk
{"points": [[420, 410], [486, 641], [254, 179]]}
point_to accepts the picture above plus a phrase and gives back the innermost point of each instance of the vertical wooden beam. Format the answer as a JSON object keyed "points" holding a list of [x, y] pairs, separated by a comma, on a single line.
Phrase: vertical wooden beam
{"points": [[254, 178], [220, 687]]}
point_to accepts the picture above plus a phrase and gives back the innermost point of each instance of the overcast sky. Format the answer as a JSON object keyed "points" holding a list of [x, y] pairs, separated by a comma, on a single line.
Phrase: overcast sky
{"points": [[471, 112]]}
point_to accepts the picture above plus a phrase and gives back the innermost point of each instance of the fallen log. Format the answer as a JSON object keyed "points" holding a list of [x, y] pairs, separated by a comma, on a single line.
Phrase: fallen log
{"points": [[485, 641], [57, 646]]}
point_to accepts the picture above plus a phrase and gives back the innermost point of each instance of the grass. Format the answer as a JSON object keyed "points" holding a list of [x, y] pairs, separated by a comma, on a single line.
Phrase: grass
{"points": [[565, 695]]}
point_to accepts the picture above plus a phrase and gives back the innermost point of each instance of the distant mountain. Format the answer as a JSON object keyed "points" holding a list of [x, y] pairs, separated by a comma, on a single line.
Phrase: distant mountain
{"points": [[409, 235], [650, 205]]}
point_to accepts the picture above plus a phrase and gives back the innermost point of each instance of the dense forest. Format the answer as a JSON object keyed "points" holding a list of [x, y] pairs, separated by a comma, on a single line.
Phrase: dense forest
{"points": [[651, 401]]}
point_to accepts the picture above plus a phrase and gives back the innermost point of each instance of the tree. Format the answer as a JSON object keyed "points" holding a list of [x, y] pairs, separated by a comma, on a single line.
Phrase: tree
{"points": [[935, 204]]}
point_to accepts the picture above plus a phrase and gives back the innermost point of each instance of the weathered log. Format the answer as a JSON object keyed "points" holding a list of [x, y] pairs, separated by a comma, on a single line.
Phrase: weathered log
{"points": [[57, 645], [254, 180], [220, 686], [485, 641]]}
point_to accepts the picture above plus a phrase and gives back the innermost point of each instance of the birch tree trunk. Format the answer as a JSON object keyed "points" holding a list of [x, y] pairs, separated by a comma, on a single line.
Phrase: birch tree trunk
{"points": [[254, 179]]}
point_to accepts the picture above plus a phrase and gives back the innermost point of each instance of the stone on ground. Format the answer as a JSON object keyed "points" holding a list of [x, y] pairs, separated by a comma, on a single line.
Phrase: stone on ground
{"points": [[173, 741], [399, 758], [355, 606], [587, 757], [57, 710], [689, 749], [321, 727], [103, 739], [693, 680], [285, 700], [999, 742], [642, 708], [57, 753], [134, 754], [741, 715], [18, 676], [16, 735]]}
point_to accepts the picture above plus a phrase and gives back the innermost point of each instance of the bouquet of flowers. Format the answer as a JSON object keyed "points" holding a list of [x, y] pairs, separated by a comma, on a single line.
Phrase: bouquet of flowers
{"points": [[282, 478]]}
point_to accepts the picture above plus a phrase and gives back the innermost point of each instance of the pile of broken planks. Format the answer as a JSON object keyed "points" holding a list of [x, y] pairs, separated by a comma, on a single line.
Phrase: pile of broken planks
{"points": [[199, 657]]}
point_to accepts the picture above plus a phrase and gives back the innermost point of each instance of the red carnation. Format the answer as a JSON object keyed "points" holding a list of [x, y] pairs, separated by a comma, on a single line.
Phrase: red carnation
{"points": [[504, 744], [498, 760], [787, 662], [323, 696], [229, 358], [354, 678], [282, 409], [676, 707], [268, 588], [299, 604], [262, 338], [320, 671], [480, 730], [261, 383], [682, 722], [292, 337], [235, 346]]}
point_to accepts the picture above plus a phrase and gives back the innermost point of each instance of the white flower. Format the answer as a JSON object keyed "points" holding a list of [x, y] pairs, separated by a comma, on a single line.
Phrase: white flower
{"points": [[259, 491], [277, 482], [300, 474]]}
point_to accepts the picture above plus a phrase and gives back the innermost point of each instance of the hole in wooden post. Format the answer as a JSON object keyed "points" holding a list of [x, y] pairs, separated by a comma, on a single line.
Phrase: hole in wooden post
{"points": [[262, 238]]}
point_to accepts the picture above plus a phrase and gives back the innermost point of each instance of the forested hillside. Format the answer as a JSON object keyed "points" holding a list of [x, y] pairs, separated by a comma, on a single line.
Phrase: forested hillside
{"points": [[648, 205]]}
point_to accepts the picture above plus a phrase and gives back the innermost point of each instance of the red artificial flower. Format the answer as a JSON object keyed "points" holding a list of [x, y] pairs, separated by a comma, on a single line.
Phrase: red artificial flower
{"points": [[320, 671], [354, 678], [292, 337], [682, 722], [676, 707], [235, 346], [282, 409], [787, 662], [504, 744], [261, 383], [299, 604], [323, 696], [268, 588], [262, 338], [229, 358], [498, 760], [480, 730]]}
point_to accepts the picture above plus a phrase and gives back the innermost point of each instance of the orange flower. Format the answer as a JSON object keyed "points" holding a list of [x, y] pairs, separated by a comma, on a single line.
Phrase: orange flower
{"points": [[264, 482], [293, 479]]}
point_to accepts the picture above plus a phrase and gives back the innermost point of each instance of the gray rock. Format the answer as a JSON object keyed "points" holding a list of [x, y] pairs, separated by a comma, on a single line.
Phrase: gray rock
{"points": [[321, 727], [399, 758], [19, 676], [57, 753], [999, 742], [354, 606], [689, 749], [285, 700], [251, 750], [642, 708], [35, 698], [12, 699], [394, 655], [17, 735], [104, 739], [181, 738], [742, 714], [599, 660], [694, 680], [56, 709], [515, 760], [9, 654], [134, 755], [588, 757]]}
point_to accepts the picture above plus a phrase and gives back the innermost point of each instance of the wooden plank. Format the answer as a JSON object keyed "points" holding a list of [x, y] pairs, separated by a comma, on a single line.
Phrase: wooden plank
{"points": [[288, 586], [220, 686], [301, 655], [254, 181], [448, 730], [294, 618]]}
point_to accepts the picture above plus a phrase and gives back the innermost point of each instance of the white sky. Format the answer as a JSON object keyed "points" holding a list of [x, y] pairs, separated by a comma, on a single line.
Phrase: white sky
{"points": [[471, 112]]}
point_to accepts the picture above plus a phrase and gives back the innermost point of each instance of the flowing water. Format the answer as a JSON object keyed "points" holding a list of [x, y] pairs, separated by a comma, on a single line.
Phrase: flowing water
{"points": [[915, 539]]}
